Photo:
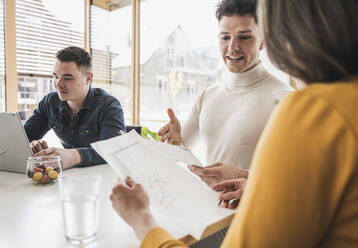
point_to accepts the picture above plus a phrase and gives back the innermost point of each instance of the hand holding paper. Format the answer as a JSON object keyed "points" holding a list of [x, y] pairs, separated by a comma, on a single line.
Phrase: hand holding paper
{"points": [[171, 188], [132, 203], [231, 191], [218, 172]]}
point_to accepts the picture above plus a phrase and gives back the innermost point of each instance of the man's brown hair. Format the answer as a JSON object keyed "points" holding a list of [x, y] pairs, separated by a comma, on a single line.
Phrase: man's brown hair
{"points": [[236, 7], [75, 54]]}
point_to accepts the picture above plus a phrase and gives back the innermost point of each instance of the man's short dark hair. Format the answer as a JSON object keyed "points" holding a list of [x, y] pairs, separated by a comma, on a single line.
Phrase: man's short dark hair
{"points": [[75, 54], [236, 7]]}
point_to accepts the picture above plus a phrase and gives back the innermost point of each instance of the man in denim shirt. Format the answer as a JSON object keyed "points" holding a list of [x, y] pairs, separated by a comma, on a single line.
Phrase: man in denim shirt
{"points": [[79, 114]]}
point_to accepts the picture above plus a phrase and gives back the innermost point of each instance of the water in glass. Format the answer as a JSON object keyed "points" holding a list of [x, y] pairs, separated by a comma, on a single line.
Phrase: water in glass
{"points": [[80, 212]]}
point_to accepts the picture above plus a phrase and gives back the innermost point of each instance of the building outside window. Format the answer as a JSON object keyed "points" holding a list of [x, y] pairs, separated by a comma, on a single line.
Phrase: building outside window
{"points": [[174, 45], [111, 36]]}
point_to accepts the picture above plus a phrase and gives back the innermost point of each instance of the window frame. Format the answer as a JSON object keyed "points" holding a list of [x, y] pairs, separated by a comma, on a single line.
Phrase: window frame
{"points": [[11, 75]]}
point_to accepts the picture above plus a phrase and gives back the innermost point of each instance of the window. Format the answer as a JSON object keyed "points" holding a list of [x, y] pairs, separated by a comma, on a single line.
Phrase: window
{"points": [[180, 47], [57, 24], [180, 61], [179, 56], [2, 58], [162, 86], [284, 77], [192, 88], [111, 53]]}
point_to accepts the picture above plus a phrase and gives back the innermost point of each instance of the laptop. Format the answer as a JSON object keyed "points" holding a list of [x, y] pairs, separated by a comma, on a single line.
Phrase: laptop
{"points": [[14, 145], [212, 241]]}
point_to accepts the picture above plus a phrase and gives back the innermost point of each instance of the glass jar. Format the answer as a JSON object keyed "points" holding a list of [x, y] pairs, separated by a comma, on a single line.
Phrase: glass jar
{"points": [[43, 170]]}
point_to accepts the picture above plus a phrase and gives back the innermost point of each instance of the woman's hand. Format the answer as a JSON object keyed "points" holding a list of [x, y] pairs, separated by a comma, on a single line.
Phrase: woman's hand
{"points": [[131, 202]]}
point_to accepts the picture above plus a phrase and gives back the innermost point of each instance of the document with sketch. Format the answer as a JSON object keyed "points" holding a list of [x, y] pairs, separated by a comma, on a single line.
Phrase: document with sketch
{"points": [[173, 190]]}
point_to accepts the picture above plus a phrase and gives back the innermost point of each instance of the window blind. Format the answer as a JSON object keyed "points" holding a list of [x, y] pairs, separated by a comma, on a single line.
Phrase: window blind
{"points": [[40, 34], [100, 44]]}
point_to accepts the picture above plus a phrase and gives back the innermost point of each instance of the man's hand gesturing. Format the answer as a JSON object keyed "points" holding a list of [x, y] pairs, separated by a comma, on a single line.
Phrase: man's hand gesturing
{"points": [[171, 132]]}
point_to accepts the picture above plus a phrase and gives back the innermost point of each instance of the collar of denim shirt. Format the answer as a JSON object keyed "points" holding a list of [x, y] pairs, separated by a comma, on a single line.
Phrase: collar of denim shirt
{"points": [[90, 101]]}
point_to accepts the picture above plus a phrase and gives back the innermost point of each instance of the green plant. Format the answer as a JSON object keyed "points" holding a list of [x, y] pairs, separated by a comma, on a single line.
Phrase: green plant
{"points": [[146, 133]]}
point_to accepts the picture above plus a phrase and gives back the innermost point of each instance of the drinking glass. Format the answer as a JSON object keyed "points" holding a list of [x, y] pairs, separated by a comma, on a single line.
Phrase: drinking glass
{"points": [[80, 198]]}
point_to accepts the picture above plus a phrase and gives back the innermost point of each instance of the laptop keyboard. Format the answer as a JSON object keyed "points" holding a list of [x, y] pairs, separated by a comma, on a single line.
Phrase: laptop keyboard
{"points": [[212, 241]]}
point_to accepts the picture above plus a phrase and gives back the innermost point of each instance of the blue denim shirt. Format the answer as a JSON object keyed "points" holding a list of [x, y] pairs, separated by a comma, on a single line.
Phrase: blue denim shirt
{"points": [[101, 117]]}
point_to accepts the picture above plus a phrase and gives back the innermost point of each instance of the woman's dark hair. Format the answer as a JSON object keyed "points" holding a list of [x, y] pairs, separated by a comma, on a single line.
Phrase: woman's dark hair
{"points": [[236, 7], [314, 40], [75, 54]]}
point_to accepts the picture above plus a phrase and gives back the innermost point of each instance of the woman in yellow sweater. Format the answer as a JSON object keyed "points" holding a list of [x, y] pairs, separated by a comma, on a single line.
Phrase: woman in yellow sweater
{"points": [[303, 188]]}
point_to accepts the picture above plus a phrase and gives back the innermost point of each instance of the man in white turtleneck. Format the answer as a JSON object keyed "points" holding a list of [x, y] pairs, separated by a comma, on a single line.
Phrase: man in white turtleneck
{"points": [[230, 117]]}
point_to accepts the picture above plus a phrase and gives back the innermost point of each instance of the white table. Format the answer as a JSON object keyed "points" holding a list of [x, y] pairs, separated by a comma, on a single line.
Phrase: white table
{"points": [[31, 215]]}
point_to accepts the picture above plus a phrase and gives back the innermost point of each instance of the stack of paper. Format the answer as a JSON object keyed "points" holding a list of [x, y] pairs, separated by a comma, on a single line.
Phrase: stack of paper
{"points": [[173, 190]]}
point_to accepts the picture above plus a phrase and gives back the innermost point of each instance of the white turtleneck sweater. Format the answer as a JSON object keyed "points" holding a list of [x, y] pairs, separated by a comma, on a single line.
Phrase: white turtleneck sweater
{"points": [[230, 117]]}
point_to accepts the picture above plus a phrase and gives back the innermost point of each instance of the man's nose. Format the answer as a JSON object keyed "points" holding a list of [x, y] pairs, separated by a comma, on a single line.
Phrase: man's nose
{"points": [[58, 83], [234, 45]]}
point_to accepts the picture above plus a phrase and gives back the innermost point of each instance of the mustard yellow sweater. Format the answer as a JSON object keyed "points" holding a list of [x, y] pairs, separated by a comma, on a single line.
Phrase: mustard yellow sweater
{"points": [[303, 187]]}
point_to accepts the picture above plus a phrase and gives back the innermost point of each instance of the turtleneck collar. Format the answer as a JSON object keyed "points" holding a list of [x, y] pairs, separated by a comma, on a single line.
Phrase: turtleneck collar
{"points": [[245, 80]]}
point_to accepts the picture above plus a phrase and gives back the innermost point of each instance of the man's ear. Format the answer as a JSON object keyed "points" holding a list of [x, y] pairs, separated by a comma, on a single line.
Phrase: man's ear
{"points": [[89, 77], [262, 46]]}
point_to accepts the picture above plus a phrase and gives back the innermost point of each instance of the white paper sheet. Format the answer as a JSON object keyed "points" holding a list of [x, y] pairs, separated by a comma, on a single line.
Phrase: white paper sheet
{"points": [[173, 190], [177, 153]]}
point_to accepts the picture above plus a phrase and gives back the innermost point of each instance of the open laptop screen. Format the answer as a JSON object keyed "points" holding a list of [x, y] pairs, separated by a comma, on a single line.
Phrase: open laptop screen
{"points": [[14, 145]]}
